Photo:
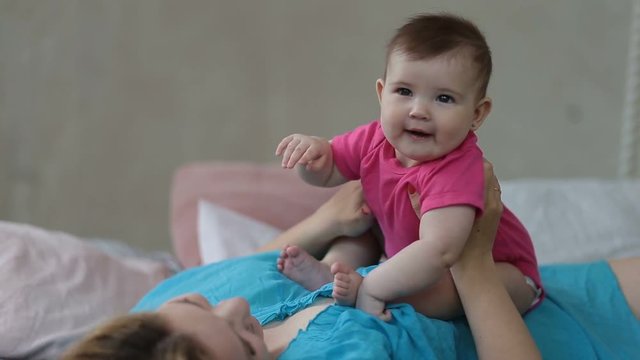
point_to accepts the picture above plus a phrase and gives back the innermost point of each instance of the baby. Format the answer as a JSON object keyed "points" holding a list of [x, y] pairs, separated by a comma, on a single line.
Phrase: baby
{"points": [[432, 100]]}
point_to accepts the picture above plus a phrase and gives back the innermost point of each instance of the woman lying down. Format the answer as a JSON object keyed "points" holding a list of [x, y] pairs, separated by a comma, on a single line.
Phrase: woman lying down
{"points": [[245, 308]]}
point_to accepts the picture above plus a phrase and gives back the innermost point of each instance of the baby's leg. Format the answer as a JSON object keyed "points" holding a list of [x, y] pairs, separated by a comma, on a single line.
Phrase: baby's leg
{"points": [[628, 273], [346, 283], [514, 281], [347, 254], [299, 266], [363, 250], [441, 300]]}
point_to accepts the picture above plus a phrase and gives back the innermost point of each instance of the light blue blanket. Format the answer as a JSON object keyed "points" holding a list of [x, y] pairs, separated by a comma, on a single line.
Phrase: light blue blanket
{"points": [[584, 315]]}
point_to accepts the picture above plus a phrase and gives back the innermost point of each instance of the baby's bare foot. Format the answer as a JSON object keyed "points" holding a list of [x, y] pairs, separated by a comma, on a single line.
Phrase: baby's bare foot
{"points": [[346, 283], [299, 266]]}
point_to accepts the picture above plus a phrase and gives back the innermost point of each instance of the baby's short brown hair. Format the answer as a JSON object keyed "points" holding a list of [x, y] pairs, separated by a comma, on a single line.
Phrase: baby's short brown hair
{"points": [[429, 35]]}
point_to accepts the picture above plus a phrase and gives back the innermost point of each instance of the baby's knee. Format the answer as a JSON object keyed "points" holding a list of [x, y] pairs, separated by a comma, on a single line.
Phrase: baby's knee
{"points": [[440, 301]]}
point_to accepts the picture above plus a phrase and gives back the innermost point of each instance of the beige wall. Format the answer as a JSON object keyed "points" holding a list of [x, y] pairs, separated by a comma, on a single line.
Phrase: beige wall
{"points": [[101, 100]]}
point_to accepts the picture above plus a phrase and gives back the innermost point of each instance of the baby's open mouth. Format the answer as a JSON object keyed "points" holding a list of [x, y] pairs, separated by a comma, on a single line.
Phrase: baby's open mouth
{"points": [[417, 133]]}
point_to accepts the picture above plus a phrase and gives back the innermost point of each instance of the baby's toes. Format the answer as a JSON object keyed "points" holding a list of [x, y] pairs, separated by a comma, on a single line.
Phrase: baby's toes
{"points": [[340, 292], [342, 279], [283, 253], [340, 268], [292, 251]]}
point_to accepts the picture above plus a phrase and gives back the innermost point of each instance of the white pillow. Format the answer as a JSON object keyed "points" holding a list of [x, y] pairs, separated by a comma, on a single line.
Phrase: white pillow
{"points": [[576, 220], [223, 233], [56, 286], [569, 220]]}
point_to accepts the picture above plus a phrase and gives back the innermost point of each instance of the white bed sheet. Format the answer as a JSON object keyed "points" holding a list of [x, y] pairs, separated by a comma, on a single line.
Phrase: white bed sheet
{"points": [[574, 220]]}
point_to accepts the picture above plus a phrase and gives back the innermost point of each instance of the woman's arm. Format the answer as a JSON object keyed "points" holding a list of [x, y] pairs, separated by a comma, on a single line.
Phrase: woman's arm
{"points": [[497, 327], [344, 214]]}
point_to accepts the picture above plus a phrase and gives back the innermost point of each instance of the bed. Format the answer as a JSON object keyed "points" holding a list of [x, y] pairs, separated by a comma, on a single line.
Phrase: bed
{"points": [[57, 286], [570, 220]]}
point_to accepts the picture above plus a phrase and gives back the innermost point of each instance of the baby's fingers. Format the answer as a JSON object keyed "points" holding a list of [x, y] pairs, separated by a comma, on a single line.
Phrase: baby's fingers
{"points": [[386, 315], [309, 156], [283, 144], [288, 150], [295, 154]]}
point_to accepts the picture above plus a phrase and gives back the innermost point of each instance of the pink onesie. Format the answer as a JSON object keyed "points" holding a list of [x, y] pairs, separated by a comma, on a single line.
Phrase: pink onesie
{"points": [[454, 179]]}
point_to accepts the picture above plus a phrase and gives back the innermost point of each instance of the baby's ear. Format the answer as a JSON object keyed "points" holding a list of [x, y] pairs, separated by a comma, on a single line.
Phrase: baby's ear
{"points": [[483, 108], [379, 88]]}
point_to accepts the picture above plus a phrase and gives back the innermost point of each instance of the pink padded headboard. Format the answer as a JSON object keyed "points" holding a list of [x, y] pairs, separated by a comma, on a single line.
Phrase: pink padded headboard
{"points": [[263, 191]]}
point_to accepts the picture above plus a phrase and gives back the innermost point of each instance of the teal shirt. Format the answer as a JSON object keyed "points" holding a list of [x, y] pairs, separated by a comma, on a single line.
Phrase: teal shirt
{"points": [[584, 315]]}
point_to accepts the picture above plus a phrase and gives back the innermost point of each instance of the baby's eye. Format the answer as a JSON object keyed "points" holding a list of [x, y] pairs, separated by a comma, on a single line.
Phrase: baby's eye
{"points": [[445, 99], [404, 92]]}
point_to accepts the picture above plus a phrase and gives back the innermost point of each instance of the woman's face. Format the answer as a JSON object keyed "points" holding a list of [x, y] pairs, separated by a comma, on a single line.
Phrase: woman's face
{"points": [[227, 330]]}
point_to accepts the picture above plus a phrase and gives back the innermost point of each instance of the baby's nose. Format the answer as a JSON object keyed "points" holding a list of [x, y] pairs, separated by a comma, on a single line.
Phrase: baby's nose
{"points": [[419, 110]]}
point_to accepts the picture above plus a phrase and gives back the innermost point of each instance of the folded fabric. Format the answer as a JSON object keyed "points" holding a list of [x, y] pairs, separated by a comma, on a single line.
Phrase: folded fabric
{"points": [[584, 315]]}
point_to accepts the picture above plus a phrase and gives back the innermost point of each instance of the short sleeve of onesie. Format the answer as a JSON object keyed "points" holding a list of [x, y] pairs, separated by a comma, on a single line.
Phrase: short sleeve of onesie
{"points": [[456, 180], [349, 149]]}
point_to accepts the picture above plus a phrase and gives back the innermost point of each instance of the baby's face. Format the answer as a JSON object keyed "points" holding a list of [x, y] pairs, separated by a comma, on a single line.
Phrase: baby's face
{"points": [[428, 107]]}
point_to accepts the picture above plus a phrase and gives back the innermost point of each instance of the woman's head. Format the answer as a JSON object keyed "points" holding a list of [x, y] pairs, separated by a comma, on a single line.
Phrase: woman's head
{"points": [[187, 327]]}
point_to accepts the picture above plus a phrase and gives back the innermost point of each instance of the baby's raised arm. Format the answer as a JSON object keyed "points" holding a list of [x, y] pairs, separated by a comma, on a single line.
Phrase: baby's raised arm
{"points": [[313, 158]]}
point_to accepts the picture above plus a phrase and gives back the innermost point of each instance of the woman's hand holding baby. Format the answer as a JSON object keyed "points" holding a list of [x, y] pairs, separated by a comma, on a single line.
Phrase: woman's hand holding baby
{"points": [[347, 211], [479, 246]]}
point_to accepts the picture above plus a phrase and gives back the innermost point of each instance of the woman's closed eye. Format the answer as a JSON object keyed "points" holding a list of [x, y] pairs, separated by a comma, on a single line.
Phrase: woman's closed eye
{"points": [[191, 302], [248, 348]]}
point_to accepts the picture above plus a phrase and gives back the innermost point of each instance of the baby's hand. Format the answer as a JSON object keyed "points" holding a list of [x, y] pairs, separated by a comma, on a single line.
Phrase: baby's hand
{"points": [[311, 151], [372, 305]]}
